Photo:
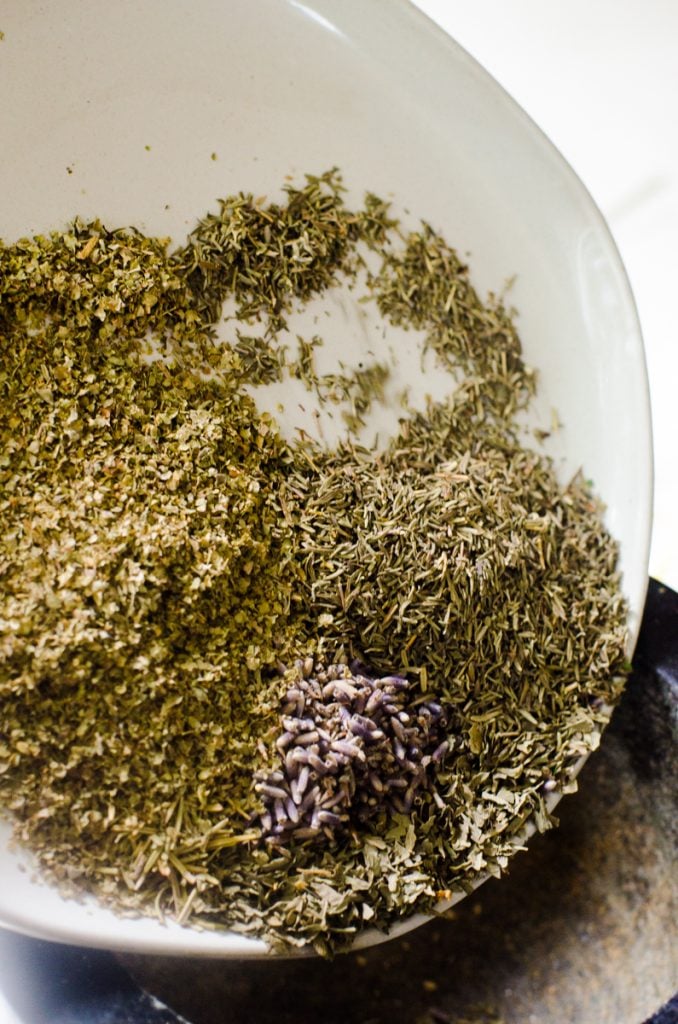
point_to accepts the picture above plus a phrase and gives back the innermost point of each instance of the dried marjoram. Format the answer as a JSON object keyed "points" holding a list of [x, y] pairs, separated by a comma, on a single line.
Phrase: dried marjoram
{"points": [[449, 613]]}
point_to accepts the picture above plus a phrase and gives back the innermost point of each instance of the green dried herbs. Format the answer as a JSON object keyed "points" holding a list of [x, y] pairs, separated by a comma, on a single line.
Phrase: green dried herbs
{"points": [[269, 256], [272, 685]]}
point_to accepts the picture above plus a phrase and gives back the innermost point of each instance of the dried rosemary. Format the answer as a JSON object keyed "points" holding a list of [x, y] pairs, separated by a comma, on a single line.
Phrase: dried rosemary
{"points": [[276, 686]]}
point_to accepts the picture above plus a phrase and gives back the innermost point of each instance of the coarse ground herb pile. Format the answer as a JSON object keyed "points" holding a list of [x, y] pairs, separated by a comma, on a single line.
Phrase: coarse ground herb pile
{"points": [[271, 685]]}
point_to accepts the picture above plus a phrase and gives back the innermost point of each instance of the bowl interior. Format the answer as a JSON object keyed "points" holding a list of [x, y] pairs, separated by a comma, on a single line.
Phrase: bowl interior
{"points": [[116, 110]]}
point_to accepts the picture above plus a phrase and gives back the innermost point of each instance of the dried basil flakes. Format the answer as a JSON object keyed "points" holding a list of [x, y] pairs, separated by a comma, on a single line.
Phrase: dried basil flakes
{"points": [[283, 687]]}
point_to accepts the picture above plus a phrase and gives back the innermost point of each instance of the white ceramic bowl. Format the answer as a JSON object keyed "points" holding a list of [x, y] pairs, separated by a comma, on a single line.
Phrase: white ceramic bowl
{"points": [[114, 110]]}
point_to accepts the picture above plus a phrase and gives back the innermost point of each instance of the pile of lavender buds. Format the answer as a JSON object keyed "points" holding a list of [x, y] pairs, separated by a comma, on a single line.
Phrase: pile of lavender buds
{"points": [[351, 747]]}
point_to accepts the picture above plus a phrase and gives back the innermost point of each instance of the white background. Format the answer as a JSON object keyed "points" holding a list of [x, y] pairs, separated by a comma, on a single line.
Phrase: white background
{"points": [[600, 77]]}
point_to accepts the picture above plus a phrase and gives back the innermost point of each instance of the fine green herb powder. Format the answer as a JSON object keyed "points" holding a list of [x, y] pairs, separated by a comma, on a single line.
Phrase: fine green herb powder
{"points": [[175, 575]]}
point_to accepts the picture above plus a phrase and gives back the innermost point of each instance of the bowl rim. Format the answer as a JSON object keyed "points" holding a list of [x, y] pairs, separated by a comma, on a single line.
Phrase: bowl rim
{"points": [[189, 940]]}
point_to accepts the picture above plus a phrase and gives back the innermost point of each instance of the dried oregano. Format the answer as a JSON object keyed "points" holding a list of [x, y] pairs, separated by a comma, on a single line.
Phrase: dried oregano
{"points": [[266, 685]]}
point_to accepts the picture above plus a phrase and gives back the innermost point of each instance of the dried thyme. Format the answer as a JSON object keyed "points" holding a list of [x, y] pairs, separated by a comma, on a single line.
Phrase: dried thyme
{"points": [[269, 255], [359, 389], [425, 285], [453, 612], [260, 361]]}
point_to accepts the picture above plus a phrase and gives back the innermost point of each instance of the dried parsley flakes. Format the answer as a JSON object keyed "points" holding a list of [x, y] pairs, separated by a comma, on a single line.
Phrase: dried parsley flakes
{"points": [[166, 554]]}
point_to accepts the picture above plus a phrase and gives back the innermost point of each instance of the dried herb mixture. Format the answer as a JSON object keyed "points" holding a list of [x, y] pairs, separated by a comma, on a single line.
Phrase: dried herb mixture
{"points": [[278, 686]]}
